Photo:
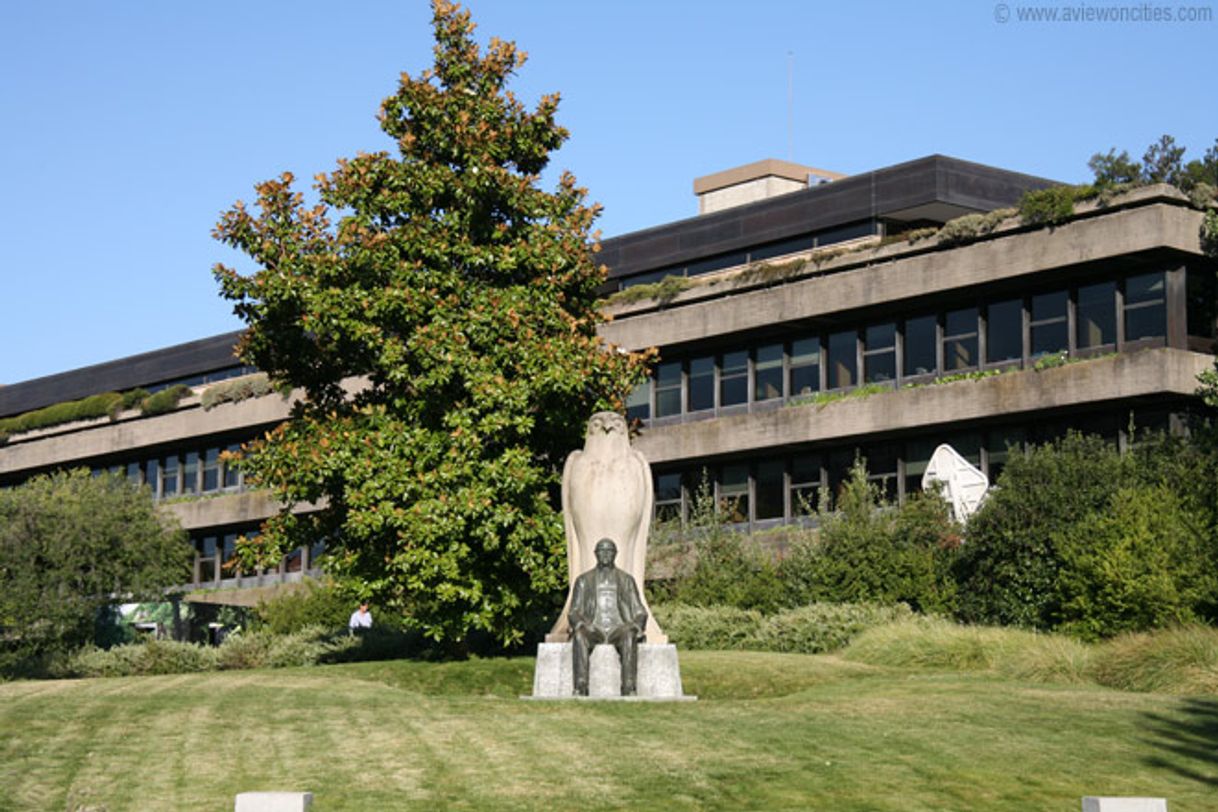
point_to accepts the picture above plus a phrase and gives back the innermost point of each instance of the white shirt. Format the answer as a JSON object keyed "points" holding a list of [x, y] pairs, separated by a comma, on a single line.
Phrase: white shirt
{"points": [[360, 620]]}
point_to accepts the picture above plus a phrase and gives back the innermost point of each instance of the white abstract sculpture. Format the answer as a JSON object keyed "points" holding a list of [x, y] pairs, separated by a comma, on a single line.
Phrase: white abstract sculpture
{"points": [[964, 485], [606, 493]]}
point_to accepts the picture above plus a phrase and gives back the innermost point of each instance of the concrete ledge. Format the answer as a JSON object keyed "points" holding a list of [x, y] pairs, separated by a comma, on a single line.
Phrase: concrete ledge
{"points": [[1098, 804], [274, 802]]}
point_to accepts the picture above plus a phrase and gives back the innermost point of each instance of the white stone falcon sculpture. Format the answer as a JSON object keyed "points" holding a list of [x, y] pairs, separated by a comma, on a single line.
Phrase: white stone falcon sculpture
{"points": [[606, 493]]}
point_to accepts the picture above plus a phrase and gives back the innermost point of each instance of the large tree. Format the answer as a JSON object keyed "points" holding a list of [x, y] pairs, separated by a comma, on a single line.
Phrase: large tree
{"points": [[72, 544], [444, 332]]}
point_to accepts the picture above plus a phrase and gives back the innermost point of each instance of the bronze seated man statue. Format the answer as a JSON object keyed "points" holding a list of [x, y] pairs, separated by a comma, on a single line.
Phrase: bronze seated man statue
{"points": [[606, 608]]}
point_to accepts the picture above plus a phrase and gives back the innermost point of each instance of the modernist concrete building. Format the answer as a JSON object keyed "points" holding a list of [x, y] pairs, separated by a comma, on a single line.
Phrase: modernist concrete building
{"points": [[814, 317]]}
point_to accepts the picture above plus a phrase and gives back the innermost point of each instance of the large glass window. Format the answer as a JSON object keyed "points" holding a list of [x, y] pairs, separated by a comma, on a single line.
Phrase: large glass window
{"points": [[768, 488], [767, 372], [882, 469], [1004, 331], [1048, 328], [190, 472], [1202, 300], [734, 378], [999, 445], [638, 402], [206, 567], [668, 389], [1145, 306], [211, 470], [701, 384], [169, 476], [880, 353], [843, 359], [232, 474], [806, 484], [917, 457], [805, 367], [960, 339], [734, 493], [668, 497], [1096, 314], [920, 345]]}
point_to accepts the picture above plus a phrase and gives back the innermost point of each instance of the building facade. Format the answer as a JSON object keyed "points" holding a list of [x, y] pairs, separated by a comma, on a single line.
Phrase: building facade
{"points": [[804, 320]]}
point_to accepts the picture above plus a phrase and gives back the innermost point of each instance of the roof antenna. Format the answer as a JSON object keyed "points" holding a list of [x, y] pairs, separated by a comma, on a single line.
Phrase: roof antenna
{"points": [[790, 105]]}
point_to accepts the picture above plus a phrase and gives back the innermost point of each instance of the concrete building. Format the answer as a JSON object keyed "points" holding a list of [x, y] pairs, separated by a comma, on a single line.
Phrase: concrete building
{"points": [[803, 319]]}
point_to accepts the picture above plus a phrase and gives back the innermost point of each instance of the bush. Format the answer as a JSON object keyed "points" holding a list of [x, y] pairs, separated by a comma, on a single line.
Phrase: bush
{"points": [[312, 605], [1137, 565], [867, 551], [932, 642], [1052, 205], [142, 659], [1008, 567], [971, 226], [262, 649], [236, 390], [822, 627], [729, 570], [1181, 660], [106, 404], [164, 401], [708, 627]]}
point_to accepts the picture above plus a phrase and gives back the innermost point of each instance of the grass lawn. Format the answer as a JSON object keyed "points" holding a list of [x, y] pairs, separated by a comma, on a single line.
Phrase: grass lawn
{"points": [[771, 731]]}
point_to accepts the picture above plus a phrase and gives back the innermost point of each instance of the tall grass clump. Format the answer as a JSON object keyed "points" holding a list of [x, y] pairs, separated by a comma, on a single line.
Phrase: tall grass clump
{"points": [[932, 642], [1180, 660]]}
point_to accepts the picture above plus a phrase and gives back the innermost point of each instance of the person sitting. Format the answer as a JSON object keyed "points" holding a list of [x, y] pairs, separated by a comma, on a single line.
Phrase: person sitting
{"points": [[606, 608]]}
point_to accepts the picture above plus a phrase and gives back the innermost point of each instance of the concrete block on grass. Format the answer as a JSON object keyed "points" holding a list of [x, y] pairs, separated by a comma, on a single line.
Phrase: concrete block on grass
{"points": [[1093, 803], [274, 802]]}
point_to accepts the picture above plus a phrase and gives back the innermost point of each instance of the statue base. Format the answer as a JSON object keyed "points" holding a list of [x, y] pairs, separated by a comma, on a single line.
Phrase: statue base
{"points": [[659, 678]]}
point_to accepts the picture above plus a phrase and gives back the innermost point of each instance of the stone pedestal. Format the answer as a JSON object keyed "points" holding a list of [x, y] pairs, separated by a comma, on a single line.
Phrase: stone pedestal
{"points": [[1096, 804], [274, 802], [659, 674]]}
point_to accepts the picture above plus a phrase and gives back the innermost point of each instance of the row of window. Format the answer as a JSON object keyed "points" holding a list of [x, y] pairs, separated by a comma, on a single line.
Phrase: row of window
{"points": [[1009, 331], [774, 489], [215, 558], [184, 473]]}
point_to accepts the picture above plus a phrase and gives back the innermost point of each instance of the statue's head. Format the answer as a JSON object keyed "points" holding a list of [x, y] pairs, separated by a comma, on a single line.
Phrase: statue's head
{"points": [[606, 552], [607, 423]]}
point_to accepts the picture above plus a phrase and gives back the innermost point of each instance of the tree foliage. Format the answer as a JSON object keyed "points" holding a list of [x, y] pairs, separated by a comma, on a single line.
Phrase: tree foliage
{"points": [[71, 544], [444, 330]]}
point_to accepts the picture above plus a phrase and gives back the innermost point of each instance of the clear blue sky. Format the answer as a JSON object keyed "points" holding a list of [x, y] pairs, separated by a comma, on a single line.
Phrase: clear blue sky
{"points": [[128, 126]]}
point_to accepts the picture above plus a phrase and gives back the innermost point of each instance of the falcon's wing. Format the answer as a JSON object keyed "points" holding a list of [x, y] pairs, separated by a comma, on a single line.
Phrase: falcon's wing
{"points": [[644, 529], [574, 565]]}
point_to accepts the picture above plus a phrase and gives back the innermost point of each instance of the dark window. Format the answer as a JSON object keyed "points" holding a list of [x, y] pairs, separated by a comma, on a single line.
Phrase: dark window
{"points": [[920, 345], [768, 489], [734, 493], [1202, 299], [205, 562], [190, 472], [169, 476], [767, 372], [668, 497], [960, 339], [134, 475], [805, 367], [806, 484], [1048, 327], [1145, 306], [668, 389], [778, 249], [232, 474], [228, 557], [211, 469], [733, 378], [917, 456], [1004, 331], [701, 384], [152, 476], [838, 467], [1096, 316], [880, 353], [882, 469], [999, 445], [638, 402], [843, 360]]}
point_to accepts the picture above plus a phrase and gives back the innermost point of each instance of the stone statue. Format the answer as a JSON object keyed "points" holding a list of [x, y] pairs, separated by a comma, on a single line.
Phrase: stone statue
{"points": [[606, 608], [606, 493]]}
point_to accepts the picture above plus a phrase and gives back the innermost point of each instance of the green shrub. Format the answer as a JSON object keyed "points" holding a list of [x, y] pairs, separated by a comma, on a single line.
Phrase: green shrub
{"points": [[729, 570], [263, 649], [821, 627], [164, 401], [1181, 660], [1137, 565], [971, 226], [708, 627], [133, 398], [236, 390], [313, 604], [867, 551], [1209, 233], [142, 659], [1049, 658], [1052, 205], [1007, 569], [105, 404]]}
